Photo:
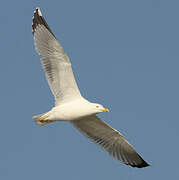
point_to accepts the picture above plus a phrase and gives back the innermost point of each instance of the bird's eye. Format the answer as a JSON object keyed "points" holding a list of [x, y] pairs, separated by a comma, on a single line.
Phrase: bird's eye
{"points": [[97, 106]]}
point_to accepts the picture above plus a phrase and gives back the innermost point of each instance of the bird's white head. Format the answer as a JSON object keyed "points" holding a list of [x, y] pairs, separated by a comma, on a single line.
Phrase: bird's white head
{"points": [[99, 108]]}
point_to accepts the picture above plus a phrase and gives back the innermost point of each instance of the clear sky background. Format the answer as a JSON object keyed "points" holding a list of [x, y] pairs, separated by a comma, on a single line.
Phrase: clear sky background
{"points": [[125, 55]]}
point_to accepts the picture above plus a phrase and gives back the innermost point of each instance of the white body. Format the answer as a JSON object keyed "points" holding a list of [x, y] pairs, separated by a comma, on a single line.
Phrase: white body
{"points": [[74, 110]]}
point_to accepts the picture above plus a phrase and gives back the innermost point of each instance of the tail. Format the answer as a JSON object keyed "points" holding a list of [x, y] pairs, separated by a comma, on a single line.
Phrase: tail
{"points": [[41, 119]]}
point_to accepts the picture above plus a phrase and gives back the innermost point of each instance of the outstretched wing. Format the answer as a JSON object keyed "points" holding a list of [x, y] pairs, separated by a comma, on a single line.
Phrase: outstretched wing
{"points": [[54, 60], [109, 139]]}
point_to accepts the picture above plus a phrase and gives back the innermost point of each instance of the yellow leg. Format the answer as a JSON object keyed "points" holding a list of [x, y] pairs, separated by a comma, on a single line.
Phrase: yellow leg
{"points": [[43, 119]]}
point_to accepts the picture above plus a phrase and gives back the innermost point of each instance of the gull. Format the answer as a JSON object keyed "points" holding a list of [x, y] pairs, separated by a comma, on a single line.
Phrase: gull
{"points": [[69, 104]]}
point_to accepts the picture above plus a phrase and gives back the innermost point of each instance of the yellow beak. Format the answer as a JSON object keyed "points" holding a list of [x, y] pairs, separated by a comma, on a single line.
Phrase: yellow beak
{"points": [[105, 110]]}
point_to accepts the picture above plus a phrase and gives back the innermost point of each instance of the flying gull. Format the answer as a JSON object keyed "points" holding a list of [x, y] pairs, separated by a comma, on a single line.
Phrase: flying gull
{"points": [[69, 103]]}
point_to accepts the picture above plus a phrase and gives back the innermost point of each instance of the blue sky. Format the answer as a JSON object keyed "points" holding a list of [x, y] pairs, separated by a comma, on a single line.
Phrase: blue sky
{"points": [[124, 55]]}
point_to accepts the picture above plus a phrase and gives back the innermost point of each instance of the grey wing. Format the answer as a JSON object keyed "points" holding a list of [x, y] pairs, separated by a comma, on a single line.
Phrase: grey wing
{"points": [[110, 139], [54, 60]]}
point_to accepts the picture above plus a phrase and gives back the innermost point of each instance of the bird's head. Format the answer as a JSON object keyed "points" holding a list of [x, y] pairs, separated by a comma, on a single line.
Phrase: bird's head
{"points": [[99, 108]]}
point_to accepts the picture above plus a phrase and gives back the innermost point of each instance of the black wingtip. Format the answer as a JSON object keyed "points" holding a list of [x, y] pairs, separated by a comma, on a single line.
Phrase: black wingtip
{"points": [[141, 165], [38, 19]]}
